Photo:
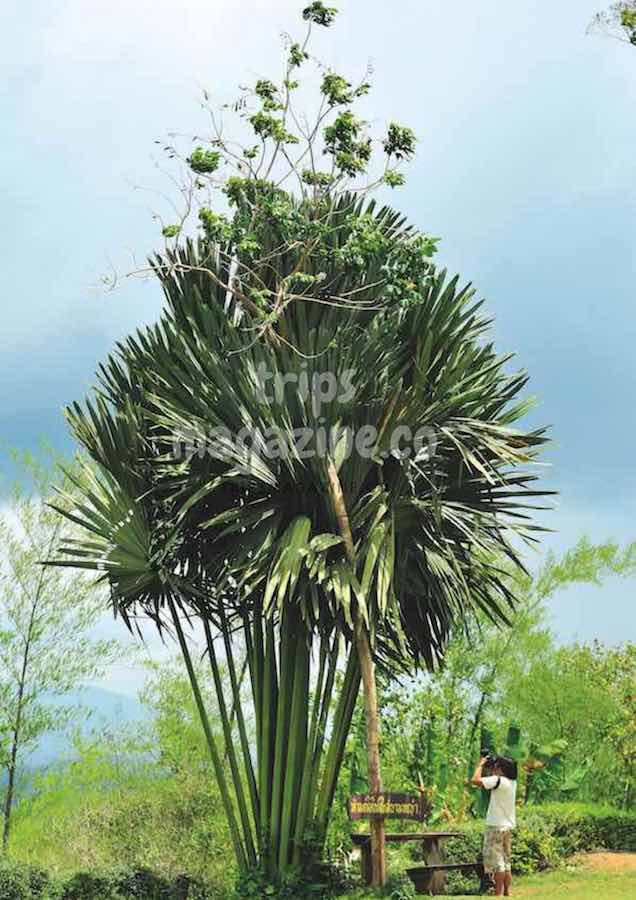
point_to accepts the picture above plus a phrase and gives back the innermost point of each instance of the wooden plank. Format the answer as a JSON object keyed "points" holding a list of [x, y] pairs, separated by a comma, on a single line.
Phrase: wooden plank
{"points": [[403, 837], [360, 840], [446, 867]]}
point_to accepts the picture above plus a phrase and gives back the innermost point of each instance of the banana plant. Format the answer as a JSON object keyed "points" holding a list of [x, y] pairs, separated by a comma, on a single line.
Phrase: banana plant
{"points": [[545, 771]]}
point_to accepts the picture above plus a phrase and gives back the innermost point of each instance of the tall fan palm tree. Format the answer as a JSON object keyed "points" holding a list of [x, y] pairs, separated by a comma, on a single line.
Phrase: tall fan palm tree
{"points": [[311, 451], [342, 473]]}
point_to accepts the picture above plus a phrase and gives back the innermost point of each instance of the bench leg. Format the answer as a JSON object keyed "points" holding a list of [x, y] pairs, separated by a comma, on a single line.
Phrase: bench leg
{"points": [[365, 863], [433, 855], [425, 885]]}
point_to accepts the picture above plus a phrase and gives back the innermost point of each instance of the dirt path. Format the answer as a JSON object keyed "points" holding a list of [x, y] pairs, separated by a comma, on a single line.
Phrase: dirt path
{"points": [[590, 875], [608, 862]]}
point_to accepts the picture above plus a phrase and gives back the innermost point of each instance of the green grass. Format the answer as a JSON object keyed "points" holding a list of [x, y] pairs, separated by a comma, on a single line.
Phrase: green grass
{"points": [[575, 883], [579, 884]]}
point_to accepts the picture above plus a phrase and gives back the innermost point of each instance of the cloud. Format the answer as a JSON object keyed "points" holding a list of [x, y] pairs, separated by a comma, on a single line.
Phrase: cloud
{"points": [[525, 167], [160, 32]]}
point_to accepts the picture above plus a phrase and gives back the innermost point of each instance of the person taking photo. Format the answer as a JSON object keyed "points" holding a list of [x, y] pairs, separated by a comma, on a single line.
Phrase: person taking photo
{"points": [[498, 775]]}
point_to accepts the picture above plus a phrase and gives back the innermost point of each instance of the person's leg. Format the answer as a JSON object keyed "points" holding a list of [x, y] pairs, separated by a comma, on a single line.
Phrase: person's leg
{"points": [[507, 853], [507, 884], [489, 855], [500, 883]]}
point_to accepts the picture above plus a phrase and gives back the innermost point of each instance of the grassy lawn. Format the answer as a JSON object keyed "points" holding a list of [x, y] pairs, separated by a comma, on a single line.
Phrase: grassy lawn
{"points": [[601, 877], [579, 884]]}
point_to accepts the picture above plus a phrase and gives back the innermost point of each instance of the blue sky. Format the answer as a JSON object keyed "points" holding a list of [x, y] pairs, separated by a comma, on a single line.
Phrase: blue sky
{"points": [[526, 168]]}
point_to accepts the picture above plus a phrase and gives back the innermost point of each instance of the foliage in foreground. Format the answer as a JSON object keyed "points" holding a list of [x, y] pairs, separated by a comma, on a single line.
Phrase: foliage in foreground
{"points": [[546, 838], [148, 798], [24, 882]]}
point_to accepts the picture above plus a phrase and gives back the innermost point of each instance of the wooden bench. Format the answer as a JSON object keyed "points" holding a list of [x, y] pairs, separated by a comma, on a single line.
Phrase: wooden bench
{"points": [[427, 878], [431, 847]]}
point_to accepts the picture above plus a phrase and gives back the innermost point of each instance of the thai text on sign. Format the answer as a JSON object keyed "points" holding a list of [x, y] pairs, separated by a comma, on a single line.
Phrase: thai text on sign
{"points": [[386, 806]]}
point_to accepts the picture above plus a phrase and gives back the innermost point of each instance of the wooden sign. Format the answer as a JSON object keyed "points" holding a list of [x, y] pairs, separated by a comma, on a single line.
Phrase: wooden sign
{"points": [[388, 806]]}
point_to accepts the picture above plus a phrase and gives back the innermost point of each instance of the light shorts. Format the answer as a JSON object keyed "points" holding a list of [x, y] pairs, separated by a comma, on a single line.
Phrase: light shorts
{"points": [[497, 849]]}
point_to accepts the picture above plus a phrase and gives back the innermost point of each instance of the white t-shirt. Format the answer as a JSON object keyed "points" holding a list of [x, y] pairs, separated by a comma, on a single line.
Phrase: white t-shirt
{"points": [[502, 811]]}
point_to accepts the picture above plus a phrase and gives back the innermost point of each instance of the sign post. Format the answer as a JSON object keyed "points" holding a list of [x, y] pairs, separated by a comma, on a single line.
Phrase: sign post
{"points": [[378, 807]]}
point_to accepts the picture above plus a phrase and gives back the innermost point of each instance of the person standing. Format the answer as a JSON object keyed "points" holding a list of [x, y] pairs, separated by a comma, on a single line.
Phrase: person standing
{"points": [[501, 782]]}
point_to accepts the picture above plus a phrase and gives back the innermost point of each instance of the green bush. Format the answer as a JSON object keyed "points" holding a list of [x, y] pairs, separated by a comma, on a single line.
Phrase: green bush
{"points": [[40, 883], [548, 834], [143, 884], [21, 881], [582, 827], [323, 881], [134, 884], [92, 886], [14, 882], [545, 837], [400, 888]]}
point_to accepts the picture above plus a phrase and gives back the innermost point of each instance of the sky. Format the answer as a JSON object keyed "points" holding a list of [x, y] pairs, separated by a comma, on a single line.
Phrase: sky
{"points": [[526, 168]]}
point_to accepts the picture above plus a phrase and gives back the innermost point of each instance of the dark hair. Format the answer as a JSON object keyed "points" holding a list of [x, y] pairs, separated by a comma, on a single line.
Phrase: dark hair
{"points": [[508, 767]]}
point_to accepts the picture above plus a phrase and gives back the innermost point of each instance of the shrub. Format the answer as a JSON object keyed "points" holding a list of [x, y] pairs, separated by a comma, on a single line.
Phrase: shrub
{"points": [[22, 881], [534, 848], [582, 827], [135, 884], [92, 886], [548, 834], [14, 882], [323, 881], [143, 884], [400, 888], [39, 882], [545, 837]]}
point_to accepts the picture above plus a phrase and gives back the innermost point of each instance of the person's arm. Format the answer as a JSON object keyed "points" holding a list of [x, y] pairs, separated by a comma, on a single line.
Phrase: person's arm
{"points": [[476, 780]]}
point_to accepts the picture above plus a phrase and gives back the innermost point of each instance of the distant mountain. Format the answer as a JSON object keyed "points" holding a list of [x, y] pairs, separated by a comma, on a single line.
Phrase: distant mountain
{"points": [[105, 707]]}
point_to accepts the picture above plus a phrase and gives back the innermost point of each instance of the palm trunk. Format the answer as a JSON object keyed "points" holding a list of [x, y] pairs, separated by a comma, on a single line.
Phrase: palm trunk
{"points": [[296, 753], [341, 726], [232, 755], [239, 848], [289, 648], [270, 820], [306, 796], [367, 669]]}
